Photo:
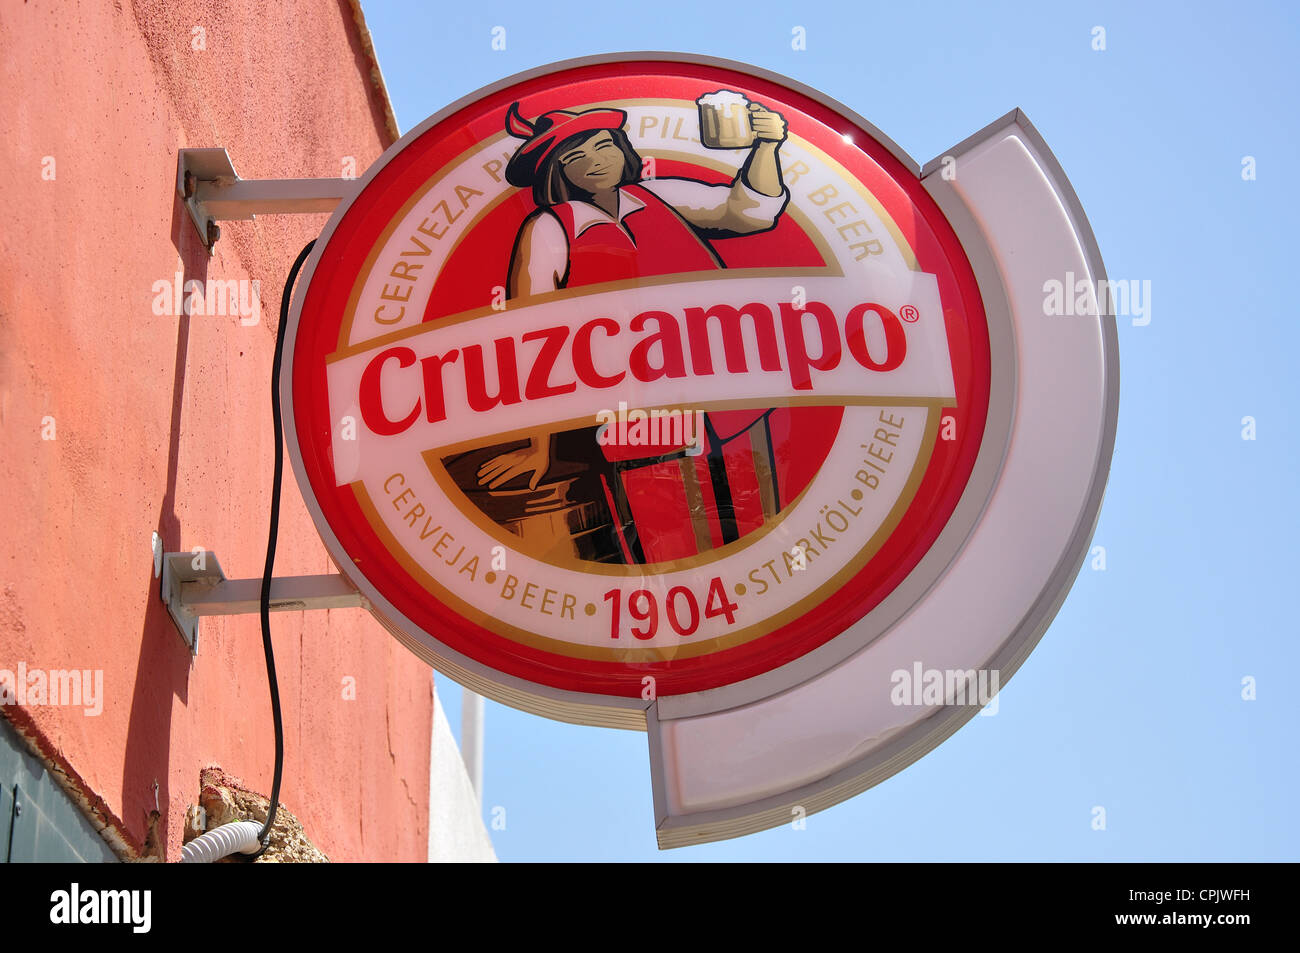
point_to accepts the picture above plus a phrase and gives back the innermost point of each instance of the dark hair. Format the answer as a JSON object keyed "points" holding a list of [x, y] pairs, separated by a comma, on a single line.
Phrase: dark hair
{"points": [[552, 188]]}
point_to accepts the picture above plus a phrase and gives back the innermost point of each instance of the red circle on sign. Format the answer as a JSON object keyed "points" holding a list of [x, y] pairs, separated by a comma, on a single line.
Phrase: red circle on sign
{"points": [[330, 293]]}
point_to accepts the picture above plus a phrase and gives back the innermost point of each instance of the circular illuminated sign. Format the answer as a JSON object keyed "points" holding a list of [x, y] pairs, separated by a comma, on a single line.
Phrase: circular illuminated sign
{"points": [[634, 378], [660, 392]]}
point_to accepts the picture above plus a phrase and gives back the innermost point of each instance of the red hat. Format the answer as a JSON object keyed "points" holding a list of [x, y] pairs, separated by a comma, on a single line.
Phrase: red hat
{"points": [[544, 135]]}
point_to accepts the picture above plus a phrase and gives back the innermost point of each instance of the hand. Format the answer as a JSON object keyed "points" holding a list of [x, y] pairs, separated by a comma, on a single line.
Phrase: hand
{"points": [[505, 467], [768, 126]]}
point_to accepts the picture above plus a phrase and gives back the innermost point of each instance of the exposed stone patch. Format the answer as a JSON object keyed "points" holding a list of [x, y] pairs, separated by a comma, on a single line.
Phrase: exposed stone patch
{"points": [[224, 798]]}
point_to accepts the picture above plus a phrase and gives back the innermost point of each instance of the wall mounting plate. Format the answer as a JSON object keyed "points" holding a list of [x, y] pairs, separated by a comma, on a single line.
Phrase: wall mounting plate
{"points": [[177, 570]]}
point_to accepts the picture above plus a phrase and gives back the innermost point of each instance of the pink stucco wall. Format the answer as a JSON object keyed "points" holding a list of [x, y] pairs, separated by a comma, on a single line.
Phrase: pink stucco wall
{"points": [[162, 423]]}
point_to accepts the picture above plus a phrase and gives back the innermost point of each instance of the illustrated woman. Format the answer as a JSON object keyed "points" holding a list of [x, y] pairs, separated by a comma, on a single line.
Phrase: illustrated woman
{"points": [[597, 221]]}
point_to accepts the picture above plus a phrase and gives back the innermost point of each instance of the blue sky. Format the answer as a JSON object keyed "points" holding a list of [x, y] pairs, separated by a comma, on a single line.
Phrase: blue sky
{"points": [[1133, 699]]}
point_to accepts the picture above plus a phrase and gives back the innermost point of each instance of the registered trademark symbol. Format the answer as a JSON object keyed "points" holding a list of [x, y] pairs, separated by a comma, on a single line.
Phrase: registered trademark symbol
{"points": [[909, 313]]}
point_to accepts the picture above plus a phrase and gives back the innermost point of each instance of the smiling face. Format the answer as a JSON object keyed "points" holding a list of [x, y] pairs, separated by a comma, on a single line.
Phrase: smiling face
{"points": [[596, 165]]}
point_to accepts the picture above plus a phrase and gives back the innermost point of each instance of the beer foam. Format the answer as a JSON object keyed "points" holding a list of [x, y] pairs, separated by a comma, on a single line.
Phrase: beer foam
{"points": [[723, 97]]}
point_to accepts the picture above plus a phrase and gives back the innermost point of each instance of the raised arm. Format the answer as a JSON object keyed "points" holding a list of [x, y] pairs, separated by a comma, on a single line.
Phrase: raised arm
{"points": [[735, 208], [752, 202], [762, 170]]}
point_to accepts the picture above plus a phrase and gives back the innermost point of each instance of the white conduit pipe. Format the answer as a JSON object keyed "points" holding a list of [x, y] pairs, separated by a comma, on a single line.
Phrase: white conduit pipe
{"points": [[223, 841]]}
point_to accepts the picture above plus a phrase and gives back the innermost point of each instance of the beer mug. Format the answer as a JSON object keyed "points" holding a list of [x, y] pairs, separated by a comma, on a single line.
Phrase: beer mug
{"points": [[724, 120]]}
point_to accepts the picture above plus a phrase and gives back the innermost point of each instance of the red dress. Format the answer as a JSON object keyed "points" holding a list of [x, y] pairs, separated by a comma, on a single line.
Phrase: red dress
{"points": [[673, 515], [608, 251]]}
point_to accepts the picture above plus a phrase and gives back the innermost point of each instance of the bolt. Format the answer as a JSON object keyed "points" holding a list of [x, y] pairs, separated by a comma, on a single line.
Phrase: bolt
{"points": [[18, 808], [214, 233], [189, 184]]}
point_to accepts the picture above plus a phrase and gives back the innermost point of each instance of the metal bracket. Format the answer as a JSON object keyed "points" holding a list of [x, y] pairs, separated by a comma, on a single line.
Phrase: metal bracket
{"points": [[213, 192], [193, 586]]}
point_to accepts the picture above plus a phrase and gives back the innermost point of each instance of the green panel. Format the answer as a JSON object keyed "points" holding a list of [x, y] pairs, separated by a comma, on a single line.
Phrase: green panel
{"points": [[6, 820], [39, 822], [38, 837]]}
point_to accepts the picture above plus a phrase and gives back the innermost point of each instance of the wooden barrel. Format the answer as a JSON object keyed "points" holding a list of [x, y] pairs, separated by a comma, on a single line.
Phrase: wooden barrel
{"points": [[564, 517]]}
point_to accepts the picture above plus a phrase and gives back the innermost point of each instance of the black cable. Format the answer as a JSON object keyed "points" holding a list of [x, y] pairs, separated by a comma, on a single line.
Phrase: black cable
{"points": [[265, 835]]}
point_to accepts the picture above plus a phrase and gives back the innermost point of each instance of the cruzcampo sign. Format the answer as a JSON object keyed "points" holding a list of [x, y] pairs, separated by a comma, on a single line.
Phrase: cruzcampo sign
{"points": [[662, 392]]}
